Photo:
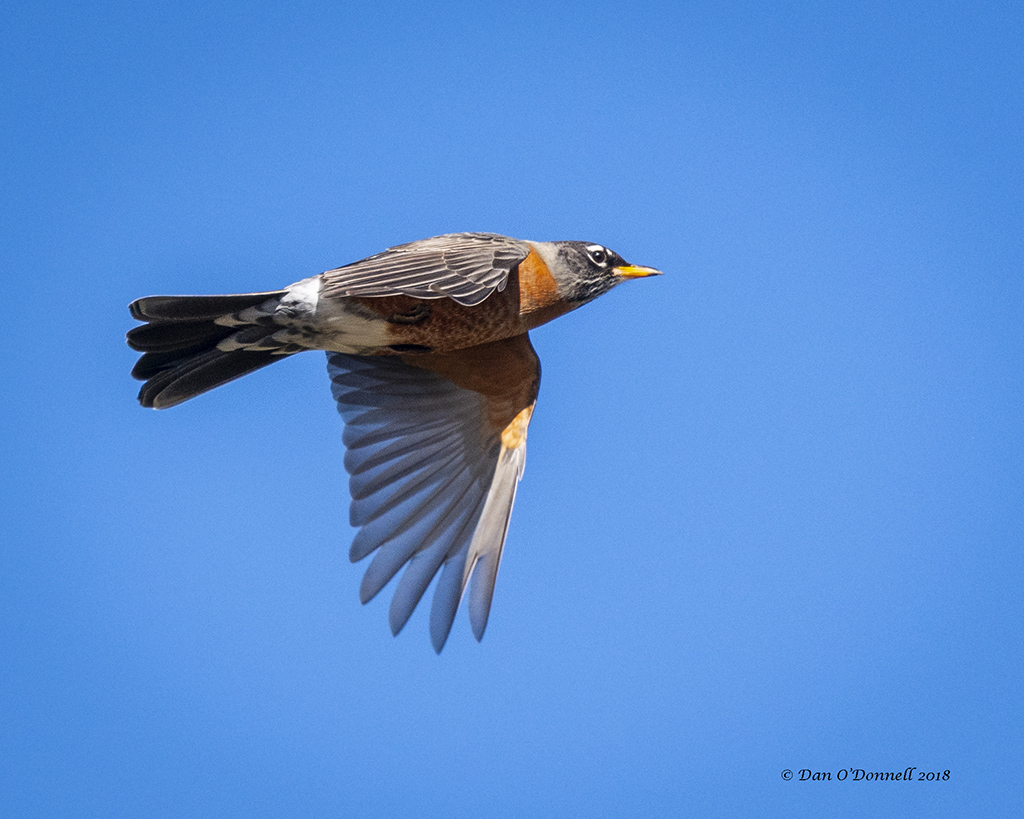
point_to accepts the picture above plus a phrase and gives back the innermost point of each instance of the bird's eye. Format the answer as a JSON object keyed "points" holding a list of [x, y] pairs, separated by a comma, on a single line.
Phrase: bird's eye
{"points": [[598, 255]]}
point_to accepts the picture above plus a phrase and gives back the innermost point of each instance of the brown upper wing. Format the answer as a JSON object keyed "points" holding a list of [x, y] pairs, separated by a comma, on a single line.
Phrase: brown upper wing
{"points": [[465, 267]]}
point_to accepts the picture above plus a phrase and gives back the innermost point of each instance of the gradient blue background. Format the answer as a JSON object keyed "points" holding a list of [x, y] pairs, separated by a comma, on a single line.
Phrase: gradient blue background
{"points": [[771, 515]]}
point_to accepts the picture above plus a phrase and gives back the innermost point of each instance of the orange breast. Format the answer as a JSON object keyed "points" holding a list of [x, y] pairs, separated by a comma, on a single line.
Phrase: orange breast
{"points": [[538, 293]]}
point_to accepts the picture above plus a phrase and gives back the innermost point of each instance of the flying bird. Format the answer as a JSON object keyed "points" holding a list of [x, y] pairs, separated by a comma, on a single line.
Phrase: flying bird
{"points": [[430, 362]]}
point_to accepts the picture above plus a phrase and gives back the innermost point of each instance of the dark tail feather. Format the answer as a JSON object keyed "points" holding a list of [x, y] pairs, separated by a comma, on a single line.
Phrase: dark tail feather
{"points": [[192, 308], [181, 358], [201, 373], [177, 335]]}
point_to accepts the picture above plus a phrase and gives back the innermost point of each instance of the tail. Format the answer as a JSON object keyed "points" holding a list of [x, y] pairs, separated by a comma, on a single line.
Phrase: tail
{"points": [[191, 344]]}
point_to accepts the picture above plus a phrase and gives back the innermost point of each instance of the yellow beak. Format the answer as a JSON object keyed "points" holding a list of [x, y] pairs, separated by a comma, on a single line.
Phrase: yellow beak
{"points": [[633, 271]]}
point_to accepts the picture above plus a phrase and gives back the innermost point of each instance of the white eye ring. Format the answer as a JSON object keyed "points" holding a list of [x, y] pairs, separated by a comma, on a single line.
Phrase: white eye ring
{"points": [[598, 255]]}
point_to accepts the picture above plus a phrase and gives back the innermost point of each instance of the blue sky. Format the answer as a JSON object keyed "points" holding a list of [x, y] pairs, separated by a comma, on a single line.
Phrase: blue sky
{"points": [[771, 517]]}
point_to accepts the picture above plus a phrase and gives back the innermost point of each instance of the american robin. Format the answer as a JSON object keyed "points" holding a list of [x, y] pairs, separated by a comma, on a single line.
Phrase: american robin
{"points": [[430, 361]]}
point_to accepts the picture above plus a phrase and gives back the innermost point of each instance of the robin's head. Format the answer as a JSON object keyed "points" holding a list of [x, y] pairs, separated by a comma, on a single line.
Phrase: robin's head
{"points": [[584, 270]]}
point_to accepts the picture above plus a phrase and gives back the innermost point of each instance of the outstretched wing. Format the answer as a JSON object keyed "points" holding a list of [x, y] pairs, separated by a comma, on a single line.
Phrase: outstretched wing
{"points": [[435, 447], [465, 267]]}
